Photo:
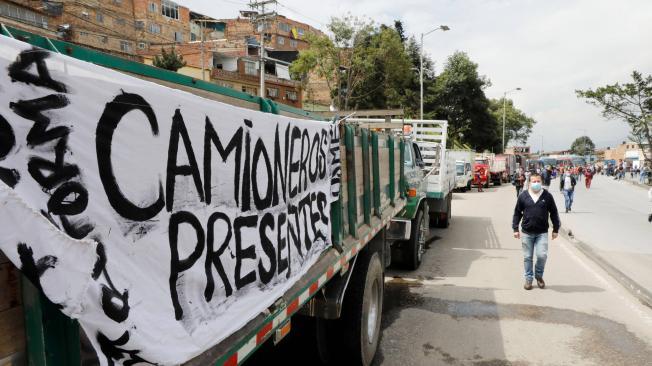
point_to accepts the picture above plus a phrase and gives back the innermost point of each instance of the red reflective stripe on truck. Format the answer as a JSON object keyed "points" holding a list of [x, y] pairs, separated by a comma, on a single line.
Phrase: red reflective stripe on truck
{"points": [[313, 288], [294, 305], [232, 361], [260, 337]]}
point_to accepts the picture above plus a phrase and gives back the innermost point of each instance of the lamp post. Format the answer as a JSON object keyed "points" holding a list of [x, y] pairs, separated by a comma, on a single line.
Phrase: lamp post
{"points": [[505, 111], [444, 28]]}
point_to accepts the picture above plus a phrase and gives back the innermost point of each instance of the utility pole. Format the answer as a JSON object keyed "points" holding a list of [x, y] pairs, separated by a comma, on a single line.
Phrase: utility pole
{"points": [[260, 21], [443, 28], [505, 112]]}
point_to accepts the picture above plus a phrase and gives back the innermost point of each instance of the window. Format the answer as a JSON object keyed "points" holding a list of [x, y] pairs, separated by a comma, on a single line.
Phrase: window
{"points": [[250, 68], [178, 36], [285, 27], [83, 34], [155, 28], [249, 90], [170, 9], [142, 45], [120, 21], [84, 14], [125, 46], [272, 92], [117, 2], [293, 43], [12, 11], [407, 156], [139, 24], [280, 40], [104, 39], [300, 31], [99, 17], [152, 7], [291, 95]]}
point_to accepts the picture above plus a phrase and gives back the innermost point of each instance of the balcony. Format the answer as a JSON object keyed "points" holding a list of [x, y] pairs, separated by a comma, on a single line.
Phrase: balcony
{"points": [[236, 76]]}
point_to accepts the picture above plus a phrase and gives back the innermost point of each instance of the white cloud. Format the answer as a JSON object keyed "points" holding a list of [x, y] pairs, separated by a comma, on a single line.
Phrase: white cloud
{"points": [[549, 48]]}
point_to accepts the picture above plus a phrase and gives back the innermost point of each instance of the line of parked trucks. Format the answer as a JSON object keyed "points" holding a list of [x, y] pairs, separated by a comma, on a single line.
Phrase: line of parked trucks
{"points": [[482, 168]]}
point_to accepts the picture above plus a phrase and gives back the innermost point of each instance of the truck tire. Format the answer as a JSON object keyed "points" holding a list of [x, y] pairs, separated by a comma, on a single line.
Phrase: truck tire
{"points": [[362, 310], [415, 247], [469, 186], [444, 223]]}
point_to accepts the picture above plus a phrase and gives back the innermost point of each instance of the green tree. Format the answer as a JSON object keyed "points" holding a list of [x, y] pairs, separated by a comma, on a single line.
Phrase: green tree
{"points": [[342, 60], [458, 97], [582, 145], [385, 84], [518, 125], [630, 102], [169, 60]]}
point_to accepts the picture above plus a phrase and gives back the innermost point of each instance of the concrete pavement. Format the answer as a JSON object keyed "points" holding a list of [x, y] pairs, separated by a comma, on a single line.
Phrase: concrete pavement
{"points": [[611, 217], [466, 304]]}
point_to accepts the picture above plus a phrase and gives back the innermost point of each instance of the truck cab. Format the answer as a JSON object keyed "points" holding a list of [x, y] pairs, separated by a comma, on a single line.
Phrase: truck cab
{"points": [[463, 175]]}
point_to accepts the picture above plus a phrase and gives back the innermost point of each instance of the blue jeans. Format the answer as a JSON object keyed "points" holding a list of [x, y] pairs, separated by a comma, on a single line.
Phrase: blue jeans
{"points": [[568, 198], [534, 243]]}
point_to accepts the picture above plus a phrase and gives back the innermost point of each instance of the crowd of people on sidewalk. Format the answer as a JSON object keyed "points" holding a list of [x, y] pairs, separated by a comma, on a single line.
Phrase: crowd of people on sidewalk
{"points": [[619, 171]]}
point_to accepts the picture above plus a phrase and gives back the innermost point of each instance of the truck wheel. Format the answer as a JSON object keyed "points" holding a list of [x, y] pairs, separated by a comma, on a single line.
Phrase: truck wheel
{"points": [[362, 310], [444, 223], [469, 186], [417, 243]]}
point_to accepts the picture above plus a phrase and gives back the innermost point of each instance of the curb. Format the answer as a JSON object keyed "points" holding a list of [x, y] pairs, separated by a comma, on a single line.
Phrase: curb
{"points": [[643, 295]]}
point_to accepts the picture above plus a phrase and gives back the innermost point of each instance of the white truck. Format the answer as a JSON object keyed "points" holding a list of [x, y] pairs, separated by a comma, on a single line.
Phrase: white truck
{"points": [[463, 168], [431, 136]]}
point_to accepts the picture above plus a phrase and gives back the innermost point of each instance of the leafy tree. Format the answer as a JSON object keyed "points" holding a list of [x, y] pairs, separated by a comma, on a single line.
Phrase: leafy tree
{"points": [[630, 102], [518, 125], [582, 145], [342, 61], [386, 82], [169, 60], [398, 25], [458, 96]]}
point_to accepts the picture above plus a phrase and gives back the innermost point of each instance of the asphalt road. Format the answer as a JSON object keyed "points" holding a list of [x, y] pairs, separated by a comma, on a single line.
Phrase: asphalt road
{"points": [[611, 217], [466, 304]]}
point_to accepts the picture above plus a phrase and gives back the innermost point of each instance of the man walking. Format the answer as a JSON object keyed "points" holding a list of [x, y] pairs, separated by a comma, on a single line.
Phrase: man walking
{"points": [[547, 177], [519, 181], [535, 206], [567, 187]]}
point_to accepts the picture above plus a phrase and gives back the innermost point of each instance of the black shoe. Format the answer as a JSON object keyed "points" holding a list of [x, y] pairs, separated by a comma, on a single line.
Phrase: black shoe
{"points": [[566, 210], [649, 218], [540, 282], [528, 285]]}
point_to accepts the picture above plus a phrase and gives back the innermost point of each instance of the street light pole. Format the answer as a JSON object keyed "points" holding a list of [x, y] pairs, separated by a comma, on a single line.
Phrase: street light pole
{"points": [[505, 112], [444, 28]]}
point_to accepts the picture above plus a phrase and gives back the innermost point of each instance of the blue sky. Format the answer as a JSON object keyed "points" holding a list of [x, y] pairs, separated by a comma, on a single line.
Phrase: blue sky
{"points": [[548, 48]]}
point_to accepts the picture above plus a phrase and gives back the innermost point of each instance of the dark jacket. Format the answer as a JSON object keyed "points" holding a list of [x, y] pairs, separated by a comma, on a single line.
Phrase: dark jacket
{"points": [[547, 177], [535, 215], [561, 183]]}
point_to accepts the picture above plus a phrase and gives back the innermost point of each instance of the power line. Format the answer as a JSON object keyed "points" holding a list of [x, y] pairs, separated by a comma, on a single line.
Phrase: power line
{"points": [[301, 14]]}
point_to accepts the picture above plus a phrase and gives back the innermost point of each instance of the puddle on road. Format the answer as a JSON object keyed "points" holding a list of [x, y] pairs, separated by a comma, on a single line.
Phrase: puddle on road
{"points": [[602, 340]]}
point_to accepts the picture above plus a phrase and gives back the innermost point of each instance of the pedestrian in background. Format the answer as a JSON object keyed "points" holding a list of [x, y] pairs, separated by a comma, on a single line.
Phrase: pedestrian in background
{"points": [[519, 181], [588, 175], [567, 187], [534, 207], [547, 177], [649, 197]]}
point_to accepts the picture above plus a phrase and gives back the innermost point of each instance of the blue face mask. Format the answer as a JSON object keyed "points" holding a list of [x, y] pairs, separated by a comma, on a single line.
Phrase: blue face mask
{"points": [[536, 187]]}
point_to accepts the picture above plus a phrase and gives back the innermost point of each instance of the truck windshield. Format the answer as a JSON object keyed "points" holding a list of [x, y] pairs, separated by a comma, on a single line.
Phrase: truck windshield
{"points": [[460, 169]]}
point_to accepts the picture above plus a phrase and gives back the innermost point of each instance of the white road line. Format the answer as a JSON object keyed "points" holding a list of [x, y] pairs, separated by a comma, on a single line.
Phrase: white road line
{"points": [[635, 307]]}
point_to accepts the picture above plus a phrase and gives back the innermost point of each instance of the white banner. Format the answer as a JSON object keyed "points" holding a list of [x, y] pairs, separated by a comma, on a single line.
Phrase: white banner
{"points": [[161, 220]]}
